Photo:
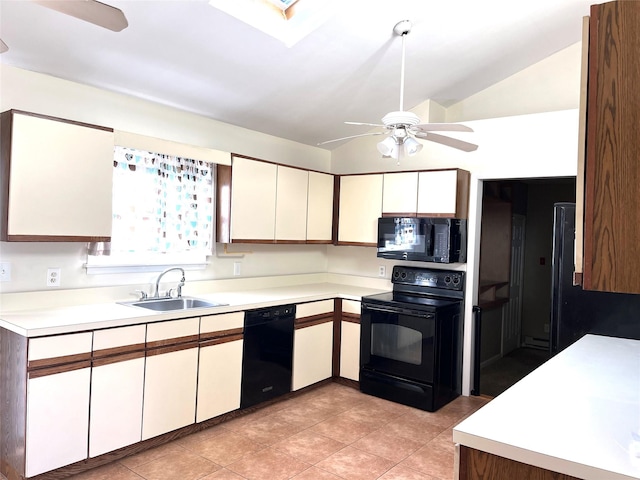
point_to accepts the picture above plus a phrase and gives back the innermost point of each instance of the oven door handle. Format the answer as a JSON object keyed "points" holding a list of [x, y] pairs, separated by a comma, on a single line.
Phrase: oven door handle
{"points": [[406, 311]]}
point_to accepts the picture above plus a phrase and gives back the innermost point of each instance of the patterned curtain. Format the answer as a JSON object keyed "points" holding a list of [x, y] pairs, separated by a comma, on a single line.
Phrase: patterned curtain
{"points": [[161, 204]]}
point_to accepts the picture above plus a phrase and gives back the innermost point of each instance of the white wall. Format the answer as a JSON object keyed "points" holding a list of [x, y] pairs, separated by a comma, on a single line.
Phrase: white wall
{"points": [[547, 86], [34, 92]]}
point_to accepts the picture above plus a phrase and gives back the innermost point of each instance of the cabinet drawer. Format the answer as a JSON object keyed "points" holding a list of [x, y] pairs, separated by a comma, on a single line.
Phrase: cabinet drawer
{"points": [[172, 332], [219, 323], [61, 349], [314, 308]]}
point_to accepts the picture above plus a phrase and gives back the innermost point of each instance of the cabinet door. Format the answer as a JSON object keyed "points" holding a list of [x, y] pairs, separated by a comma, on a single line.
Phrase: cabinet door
{"points": [[443, 193], [77, 155], [291, 204], [220, 364], [57, 420], [350, 340], [611, 215], [117, 384], [312, 343], [219, 379], [360, 208], [400, 194], [171, 372], [320, 207], [169, 392], [253, 200], [350, 351], [312, 354]]}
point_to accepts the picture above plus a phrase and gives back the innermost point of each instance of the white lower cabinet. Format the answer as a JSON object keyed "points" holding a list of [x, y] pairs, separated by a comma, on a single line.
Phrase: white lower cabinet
{"points": [[350, 351], [312, 343], [117, 385], [171, 372], [220, 365], [169, 392], [57, 420], [350, 340], [57, 413], [312, 354], [220, 373]]}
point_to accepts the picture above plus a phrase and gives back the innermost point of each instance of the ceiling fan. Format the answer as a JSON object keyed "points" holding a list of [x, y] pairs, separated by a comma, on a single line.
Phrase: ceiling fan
{"points": [[404, 127], [91, 11]]}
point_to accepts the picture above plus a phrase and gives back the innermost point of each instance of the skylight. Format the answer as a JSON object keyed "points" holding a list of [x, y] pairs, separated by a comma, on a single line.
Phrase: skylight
{"points": [[286, 20]]}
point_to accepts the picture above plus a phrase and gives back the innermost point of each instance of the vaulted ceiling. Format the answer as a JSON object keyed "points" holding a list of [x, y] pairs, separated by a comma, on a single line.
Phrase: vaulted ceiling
{"points": [[192, 56]]}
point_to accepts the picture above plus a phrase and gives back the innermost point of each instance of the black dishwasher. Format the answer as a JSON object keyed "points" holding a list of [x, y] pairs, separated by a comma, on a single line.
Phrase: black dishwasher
{"points": [[267, 354]]}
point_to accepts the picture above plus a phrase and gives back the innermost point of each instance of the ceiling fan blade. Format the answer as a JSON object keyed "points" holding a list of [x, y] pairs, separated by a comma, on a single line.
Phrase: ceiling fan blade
{"points": [[352, 136], [3, 47], [448, 141], [442, 127], [366, 124], [90, 11]]}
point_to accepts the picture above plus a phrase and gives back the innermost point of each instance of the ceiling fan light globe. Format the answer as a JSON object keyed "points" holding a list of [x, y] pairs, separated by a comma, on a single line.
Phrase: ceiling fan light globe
{"points": [[412, 146], [387, 147]]}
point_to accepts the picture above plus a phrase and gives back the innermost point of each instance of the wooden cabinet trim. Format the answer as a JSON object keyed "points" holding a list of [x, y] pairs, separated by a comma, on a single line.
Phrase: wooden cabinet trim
{"points": [[313, 320], [62, 360], [172, 341], [125, 349], [171, 348], [220, 340], [123, 357], [350, 317], [223, 203], [62, 120], [220, 334], [68, 367]]}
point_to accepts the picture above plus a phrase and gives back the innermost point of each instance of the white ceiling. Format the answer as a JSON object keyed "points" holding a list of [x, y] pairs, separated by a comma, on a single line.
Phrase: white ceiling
{"points": [[192, 56]]}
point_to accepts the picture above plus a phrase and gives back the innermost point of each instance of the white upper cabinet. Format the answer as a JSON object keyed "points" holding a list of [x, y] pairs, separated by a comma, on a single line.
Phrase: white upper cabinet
{"points": [[291, 204], [320, 207], [400, 194], [253, 200], [360, 208], [58, 185], [272, 203], [443, 193]]}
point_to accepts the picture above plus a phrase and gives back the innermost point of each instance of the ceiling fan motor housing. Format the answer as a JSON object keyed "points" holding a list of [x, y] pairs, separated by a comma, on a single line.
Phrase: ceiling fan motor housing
{"points": [[407, 119]]}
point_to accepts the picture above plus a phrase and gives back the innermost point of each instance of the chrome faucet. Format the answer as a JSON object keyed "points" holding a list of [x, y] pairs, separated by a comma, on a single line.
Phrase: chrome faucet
{"points": [[180, 284]]}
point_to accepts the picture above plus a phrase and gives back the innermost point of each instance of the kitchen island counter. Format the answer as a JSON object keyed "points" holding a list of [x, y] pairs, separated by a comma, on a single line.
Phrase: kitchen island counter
{"points": [[578, 415]]}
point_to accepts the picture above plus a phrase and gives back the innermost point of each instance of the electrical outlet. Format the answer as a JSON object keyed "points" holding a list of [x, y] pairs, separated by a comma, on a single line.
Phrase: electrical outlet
{"points": [[237, 269], [5, 272], [53, 277], [382, 271]]}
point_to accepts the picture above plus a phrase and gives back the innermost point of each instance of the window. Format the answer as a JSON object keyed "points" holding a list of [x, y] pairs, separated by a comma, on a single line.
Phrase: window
{"points": [[162, 210]]}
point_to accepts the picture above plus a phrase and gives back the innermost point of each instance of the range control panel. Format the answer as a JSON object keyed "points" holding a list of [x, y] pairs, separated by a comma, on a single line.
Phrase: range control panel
{"points": [[424, 277]]}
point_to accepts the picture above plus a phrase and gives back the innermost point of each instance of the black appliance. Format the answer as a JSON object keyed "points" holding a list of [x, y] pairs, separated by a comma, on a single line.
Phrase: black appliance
{"points": [[439, 240], [411, 338], [267, 354], [574, 311]]}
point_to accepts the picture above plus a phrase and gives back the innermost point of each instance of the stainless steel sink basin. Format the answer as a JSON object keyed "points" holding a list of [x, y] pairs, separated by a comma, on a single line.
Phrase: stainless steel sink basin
{"points": [[169, 304]]}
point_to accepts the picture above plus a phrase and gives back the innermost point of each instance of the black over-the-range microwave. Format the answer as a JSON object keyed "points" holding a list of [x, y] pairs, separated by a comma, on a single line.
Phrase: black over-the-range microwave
{"points": [[440, 240]]}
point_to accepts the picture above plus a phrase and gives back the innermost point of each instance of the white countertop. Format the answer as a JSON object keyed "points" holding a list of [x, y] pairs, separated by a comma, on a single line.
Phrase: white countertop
{"points": [[577, 414], [74, 318]]}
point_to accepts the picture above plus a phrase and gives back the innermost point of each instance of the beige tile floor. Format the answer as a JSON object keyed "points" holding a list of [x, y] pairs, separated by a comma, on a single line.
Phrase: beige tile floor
{"points": [[332, 432]]}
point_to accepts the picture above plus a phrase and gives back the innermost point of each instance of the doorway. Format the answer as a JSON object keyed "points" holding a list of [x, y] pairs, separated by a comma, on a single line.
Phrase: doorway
{"points": [[515, 277]]}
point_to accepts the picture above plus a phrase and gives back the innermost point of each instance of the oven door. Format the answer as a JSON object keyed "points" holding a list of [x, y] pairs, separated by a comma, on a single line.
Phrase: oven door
{"points": [[398, 341]]}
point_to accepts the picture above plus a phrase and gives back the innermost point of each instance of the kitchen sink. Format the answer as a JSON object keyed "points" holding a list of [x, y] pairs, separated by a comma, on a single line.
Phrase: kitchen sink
{"points": [[169, 304]]}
